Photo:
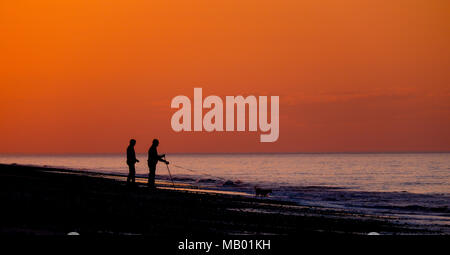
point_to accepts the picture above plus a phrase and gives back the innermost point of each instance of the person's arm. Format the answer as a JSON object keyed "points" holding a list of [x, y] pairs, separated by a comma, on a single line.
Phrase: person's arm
{"points": [[161, 158], [137, 160]]}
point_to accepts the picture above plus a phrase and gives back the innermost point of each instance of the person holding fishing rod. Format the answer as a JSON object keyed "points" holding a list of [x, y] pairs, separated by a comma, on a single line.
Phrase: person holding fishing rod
{"points": [[153, 159]]}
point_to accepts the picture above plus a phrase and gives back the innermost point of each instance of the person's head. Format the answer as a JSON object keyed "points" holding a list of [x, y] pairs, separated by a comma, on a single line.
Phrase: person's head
{"points": [[132, 142], [155, 142]]}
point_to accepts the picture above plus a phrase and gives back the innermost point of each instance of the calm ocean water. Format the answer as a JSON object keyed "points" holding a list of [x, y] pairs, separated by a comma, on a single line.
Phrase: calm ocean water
{"points": [[415, 186]]}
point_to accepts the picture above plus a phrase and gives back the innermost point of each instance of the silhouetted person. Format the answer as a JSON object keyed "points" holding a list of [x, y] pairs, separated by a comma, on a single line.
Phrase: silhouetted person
{"points": [[153, 159], [131, 161]]}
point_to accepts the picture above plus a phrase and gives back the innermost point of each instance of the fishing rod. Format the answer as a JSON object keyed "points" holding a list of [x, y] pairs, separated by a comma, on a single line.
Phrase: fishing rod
{"points": [[168, 170]]}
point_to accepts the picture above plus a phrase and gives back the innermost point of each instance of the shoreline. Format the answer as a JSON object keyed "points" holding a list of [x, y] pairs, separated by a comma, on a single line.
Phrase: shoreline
{"points": [[53, 201]]}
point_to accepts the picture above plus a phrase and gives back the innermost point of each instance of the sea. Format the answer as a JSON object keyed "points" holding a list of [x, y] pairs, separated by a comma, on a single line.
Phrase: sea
{"points": [[409, 187]]}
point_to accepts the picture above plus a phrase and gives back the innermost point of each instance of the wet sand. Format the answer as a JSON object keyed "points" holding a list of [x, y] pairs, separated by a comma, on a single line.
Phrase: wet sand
{"points": [[49, 201]]}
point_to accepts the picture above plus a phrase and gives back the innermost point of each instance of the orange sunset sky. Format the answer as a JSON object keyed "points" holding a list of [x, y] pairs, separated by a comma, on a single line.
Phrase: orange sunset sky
{"points": [[352, 75]]}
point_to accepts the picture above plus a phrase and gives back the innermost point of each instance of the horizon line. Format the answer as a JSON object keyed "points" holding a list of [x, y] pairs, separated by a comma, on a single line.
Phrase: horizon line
{"points": [[224, 153]]}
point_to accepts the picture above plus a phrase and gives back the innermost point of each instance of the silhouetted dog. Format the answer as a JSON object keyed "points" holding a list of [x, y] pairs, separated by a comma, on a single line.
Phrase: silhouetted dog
{"points": [[262, 192]]}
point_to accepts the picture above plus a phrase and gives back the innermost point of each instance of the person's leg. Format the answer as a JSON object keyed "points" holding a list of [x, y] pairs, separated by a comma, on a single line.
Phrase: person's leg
{"points": [[130, 167], [151, 176], [149, 181], [133, 174]]}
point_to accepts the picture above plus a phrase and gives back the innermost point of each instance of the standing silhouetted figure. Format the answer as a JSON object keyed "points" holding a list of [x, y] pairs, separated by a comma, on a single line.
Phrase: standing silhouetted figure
{"points": [[131, 161], [153, 159]]}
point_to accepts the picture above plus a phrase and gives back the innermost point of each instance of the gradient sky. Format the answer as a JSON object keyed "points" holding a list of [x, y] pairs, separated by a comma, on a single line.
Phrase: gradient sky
{"points": [[352, 76]]}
